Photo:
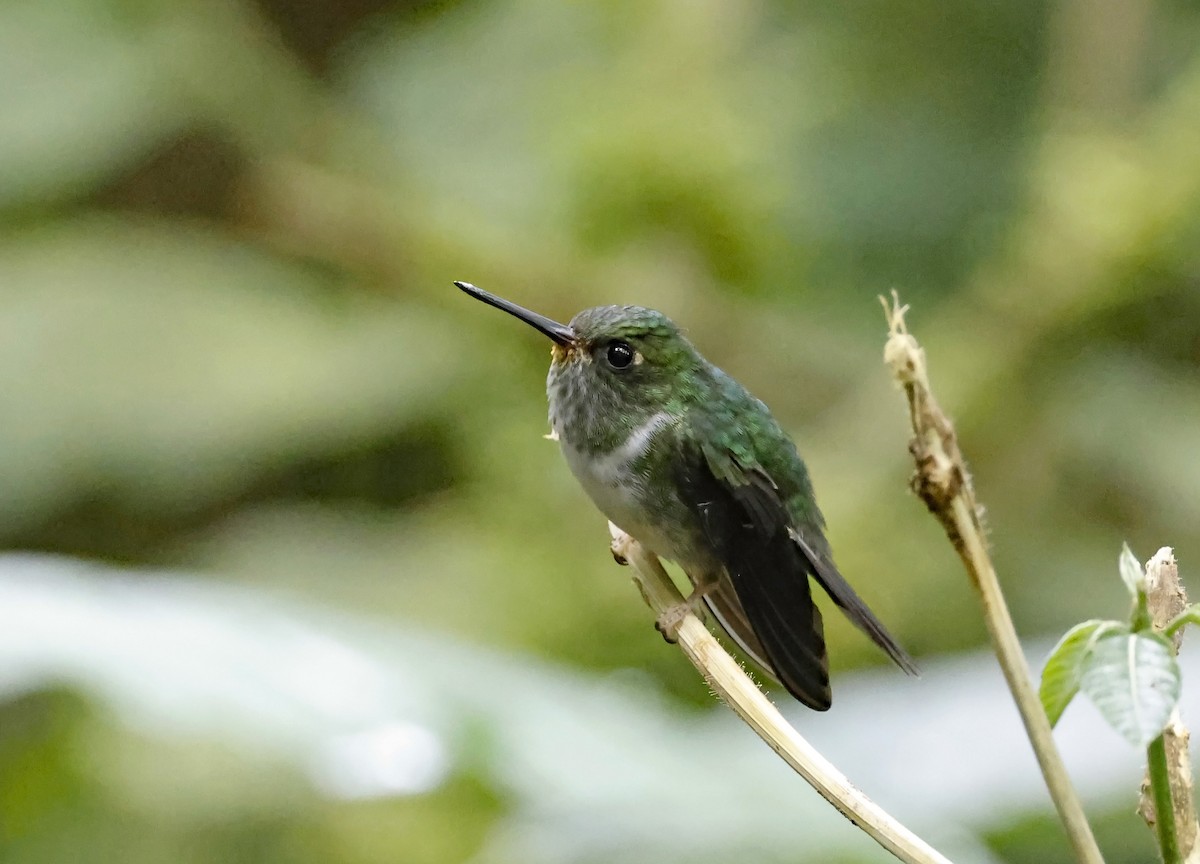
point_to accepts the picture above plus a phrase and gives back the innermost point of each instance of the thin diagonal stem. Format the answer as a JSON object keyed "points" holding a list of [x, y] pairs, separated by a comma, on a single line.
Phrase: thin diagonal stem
{"points": [[741, 694]]}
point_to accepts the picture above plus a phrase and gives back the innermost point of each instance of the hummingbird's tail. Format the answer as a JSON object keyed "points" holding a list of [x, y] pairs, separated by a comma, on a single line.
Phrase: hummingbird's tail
{"points": [[856, 609]]}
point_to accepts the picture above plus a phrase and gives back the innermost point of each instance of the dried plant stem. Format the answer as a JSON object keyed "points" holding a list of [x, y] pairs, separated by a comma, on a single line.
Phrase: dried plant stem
{"points": [[944, 484], [741, 694], [1167, 802]]}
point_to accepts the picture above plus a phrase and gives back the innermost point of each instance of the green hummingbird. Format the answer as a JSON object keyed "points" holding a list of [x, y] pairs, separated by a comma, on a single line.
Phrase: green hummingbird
{"points": [[682, 458]]}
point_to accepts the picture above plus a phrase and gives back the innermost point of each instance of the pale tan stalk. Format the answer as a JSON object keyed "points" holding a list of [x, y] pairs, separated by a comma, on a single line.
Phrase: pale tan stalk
{"points": [[944, 484], [733, 685]]}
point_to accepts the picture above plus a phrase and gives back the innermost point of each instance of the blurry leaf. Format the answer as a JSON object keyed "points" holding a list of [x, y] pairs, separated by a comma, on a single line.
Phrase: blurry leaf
{"points": [[1159, 477], [1134, 681], [82, 97], [1064, 666], [175, 362], [1131, 571], [612, 142], [39, 780], [93, 89]]}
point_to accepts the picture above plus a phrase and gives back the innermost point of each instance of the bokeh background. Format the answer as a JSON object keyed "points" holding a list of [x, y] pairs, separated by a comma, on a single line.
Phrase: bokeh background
{"points": [[293, 575]]}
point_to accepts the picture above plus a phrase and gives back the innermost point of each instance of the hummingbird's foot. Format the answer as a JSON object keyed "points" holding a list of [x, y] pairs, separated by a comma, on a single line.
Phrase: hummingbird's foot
{"points": [[668, 622], [670, 619], [616, 553]]}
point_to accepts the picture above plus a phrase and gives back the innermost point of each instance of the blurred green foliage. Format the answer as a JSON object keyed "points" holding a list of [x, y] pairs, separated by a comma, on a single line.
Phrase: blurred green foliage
{"points": [[228, 341]]}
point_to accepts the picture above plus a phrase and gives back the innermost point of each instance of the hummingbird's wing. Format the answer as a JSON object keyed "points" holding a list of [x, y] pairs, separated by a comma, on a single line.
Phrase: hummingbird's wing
{"points": [[748, 526]]}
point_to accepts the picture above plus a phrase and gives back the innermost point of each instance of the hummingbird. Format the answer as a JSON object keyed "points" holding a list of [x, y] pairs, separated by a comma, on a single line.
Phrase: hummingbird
{"points": [[682, 458]]}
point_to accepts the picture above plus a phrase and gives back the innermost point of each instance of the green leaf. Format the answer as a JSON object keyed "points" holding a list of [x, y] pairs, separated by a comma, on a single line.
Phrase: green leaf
{"points": [[1060, 676], [1131, 571], [1133, 680]]}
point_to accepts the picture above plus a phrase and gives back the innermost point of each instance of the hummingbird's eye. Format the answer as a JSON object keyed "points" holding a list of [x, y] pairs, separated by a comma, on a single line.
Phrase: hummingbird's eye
{"points": [[619, 354]]}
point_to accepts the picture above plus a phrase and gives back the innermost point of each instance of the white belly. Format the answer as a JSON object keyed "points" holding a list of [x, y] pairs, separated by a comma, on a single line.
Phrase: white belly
{"points": [[614, 484]]}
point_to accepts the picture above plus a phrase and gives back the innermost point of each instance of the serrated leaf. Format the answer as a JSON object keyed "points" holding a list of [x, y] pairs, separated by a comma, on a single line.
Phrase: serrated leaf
{"points": [[1133, 680], [1060, 676], [1131, 570]]}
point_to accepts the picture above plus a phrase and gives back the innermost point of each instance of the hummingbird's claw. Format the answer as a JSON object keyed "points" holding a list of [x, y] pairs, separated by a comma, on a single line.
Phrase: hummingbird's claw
{"points": [[668, 622]]}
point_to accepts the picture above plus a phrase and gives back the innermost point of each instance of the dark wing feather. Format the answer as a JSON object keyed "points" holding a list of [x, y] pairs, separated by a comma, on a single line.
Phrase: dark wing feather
{"points": [[724, 605], [747, 524]]}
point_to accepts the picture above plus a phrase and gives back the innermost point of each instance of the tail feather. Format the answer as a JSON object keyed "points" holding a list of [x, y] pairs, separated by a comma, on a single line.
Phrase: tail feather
{"points": [[855, 607]]}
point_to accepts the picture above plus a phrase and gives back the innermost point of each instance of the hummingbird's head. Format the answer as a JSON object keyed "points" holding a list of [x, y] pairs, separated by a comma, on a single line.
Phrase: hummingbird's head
{"points": [[634, 347], [627, 360]]}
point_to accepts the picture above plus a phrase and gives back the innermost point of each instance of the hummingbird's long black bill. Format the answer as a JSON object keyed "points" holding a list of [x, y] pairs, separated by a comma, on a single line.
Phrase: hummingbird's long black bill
{"points": [[560, 333]]}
